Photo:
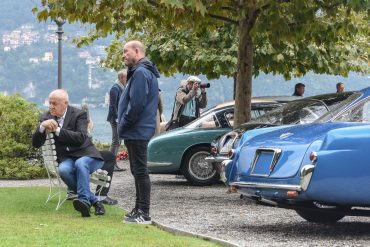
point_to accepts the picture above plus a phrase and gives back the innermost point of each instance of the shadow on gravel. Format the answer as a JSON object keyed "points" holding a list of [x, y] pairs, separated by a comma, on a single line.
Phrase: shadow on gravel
{"points": [[340, 230], [184, 183]]}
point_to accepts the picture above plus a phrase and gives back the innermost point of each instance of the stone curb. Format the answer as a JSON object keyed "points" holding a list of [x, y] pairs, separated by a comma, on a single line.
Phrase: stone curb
{"points": [[179, 232], [192, 234]]}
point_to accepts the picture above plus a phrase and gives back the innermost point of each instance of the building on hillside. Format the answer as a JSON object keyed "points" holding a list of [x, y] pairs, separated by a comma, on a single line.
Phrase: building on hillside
{"points": [[34, 60], [48, 57]]}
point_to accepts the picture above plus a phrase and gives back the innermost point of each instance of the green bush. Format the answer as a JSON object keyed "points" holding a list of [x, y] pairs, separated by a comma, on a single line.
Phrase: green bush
{"points": [[18, 159]]}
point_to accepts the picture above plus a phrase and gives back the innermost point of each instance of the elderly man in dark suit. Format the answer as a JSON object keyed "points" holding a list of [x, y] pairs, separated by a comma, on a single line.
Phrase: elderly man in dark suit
{"points": [[76, 154]]}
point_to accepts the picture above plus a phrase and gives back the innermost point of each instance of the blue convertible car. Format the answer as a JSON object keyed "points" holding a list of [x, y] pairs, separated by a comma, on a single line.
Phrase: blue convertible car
{"points": [[321, 170]]}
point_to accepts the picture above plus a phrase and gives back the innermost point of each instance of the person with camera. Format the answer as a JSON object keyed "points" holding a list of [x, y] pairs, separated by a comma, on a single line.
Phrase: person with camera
{"points": [[188, 102]]}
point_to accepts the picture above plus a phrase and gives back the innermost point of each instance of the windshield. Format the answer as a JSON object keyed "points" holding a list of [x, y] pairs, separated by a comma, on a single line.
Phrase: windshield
{"points": [[345, 102], [306, 110], [224, 117], [207, 120]]}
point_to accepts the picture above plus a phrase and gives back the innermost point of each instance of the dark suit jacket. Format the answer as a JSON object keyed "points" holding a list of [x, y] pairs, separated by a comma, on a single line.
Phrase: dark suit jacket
{"points": [[114, 94], [73, 141]]}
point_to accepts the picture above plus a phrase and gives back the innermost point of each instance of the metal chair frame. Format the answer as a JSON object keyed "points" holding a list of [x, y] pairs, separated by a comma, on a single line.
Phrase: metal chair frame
{"points": [[99, 177]]}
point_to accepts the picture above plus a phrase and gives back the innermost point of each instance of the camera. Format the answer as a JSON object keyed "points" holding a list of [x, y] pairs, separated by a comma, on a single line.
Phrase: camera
{"points": [[204, 85]]}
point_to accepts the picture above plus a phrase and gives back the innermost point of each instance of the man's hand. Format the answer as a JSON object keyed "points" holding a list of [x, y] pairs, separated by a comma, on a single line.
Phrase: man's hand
{"points": [[203, 90], [50, 125], [195, 86]]}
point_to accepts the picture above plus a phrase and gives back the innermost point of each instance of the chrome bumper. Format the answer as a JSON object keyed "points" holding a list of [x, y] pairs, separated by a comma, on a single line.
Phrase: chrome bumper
{"points": [[217, 159], [267, 186], [306, 175]]}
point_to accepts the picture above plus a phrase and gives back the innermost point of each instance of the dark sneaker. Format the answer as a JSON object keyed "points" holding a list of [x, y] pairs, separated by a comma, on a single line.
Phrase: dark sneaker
{"points": [[131, 214], [139, 218], [71, 195], [109, 201], [99, 208], [82, 206]]}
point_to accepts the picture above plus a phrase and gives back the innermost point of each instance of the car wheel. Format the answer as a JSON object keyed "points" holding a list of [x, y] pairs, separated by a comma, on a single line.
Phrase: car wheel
{"points": [[325, 214], [195, 168]]}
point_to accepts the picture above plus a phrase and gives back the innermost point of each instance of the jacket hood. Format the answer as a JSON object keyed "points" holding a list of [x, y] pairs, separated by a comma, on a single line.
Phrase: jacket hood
{"points": [[144, 62]]}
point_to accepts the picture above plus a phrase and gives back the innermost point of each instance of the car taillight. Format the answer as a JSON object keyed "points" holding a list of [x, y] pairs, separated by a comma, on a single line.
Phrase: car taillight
{"points": [[230, 154], [313, 156]]}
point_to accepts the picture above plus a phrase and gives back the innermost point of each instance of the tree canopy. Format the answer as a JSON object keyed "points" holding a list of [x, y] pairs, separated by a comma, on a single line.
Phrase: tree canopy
{"points": [[239, 38]]}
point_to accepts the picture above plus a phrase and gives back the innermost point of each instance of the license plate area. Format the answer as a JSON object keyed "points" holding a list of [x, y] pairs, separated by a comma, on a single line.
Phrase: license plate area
{"points": [[264, 161]]}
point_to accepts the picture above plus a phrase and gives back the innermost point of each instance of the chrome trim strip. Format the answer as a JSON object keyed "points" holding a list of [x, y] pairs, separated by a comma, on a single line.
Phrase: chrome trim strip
{"points": [[267, 186], [159, 164]]}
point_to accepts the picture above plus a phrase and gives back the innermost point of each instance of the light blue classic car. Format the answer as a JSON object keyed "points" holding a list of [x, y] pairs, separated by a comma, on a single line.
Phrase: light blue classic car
{"points": [[183, 150], [321, 170]]}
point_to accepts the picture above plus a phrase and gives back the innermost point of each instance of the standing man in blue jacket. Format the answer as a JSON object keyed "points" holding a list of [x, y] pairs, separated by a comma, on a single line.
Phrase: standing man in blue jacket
{"points": [[137, 112], [114, 95]]}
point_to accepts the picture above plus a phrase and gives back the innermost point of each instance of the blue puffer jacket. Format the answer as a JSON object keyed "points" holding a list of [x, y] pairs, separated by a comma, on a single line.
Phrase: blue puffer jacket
{"points": [[137, 108]]}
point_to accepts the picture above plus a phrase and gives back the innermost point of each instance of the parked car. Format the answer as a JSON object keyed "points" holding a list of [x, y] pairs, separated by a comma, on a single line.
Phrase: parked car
{"points": [[321, 170], [298, 111], [182, 150]]}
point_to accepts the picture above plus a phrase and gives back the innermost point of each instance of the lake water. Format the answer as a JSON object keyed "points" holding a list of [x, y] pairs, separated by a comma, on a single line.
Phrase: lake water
{"points": [[102, 131]]}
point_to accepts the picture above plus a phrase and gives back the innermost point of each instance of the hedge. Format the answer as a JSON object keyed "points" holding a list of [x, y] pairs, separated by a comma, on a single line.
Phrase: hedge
{"points": [[18, 120]]}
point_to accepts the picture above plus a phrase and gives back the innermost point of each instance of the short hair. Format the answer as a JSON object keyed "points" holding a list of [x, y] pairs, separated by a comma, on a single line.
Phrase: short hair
{"points": [[299, 85], [136, 44], [122, 72], [339, 83]]}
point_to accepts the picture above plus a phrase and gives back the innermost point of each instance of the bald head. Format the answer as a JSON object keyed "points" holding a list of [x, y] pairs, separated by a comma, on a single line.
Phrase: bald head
{"points": [[133, 51], [59, 94], [58, 102]]}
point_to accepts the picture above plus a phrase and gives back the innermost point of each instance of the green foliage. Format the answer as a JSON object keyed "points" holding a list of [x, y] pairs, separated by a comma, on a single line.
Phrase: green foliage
{"points": [[18, 120], [196, 36], [18, 168]]}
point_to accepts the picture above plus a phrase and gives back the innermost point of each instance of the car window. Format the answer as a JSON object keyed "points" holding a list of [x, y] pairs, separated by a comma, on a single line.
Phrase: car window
{"points": [[336, 108], [306, 110], [312, 112], [358, 113], [255, 113], [206, 121]]}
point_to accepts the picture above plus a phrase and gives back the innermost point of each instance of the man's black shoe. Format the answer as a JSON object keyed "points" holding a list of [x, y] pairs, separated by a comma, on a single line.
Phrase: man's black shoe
{"points": [[82, 206], [109, 201], [99, 208]]}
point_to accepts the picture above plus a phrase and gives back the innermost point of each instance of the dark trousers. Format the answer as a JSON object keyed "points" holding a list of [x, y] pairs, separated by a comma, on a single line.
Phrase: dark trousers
{"points": [[184, 120], [109, 163], [116, 142], [137, 154]]}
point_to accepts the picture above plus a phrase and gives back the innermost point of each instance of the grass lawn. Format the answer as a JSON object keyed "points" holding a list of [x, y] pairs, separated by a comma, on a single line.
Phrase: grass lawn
{"points": [[27, 221]]}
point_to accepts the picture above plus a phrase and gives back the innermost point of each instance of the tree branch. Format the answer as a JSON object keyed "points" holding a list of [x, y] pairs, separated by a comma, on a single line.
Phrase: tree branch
{"points": [[223, 18]]}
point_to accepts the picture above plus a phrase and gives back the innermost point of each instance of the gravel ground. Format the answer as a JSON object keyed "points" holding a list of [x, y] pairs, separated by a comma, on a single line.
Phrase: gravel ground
{"points": [[211, 211]]}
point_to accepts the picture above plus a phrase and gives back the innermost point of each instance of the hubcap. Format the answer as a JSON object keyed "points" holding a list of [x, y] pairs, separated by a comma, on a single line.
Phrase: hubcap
{"points": [[199, 167]]}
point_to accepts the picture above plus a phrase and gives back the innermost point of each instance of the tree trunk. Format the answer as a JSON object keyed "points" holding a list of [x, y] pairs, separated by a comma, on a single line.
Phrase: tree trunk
{"points": [[245, 68], [235, 75]]}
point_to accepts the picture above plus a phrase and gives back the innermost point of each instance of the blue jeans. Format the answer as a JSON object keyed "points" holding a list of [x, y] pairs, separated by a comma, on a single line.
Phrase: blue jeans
{"points": [[76, 174]]}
